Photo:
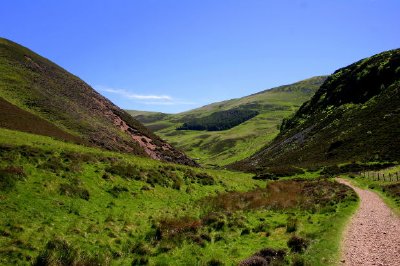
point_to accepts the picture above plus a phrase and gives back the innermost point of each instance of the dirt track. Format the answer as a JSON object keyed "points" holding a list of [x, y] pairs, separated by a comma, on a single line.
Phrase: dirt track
{"points": [[373, 234]]}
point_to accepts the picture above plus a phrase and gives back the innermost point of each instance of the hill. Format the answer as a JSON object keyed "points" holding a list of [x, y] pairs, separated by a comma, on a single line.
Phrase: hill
{"points": [[68, 204], [32, 84], [239, 138], [354, 116]]}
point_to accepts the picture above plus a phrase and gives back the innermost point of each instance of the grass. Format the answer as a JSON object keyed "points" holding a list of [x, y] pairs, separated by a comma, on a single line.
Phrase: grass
{"points": [[70, 202], [351, 117], [40, 97], [219, 148], [389, 191]]}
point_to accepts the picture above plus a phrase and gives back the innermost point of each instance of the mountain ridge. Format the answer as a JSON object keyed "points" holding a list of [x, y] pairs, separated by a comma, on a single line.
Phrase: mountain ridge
{"points": [[39, 86], [354, 116]]}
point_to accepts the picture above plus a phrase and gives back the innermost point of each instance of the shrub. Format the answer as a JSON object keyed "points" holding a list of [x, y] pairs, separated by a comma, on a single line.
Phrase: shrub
{"points": [[331, 170], [273, 173], [140, 249], [272, 255], [214, 220], [9, 176], [254, 261], [266, 256], [263, 227], [291, 225], [176, 228], [125, 170], [139, 261], [74, 190], [285, 194], [53, 164], [215, 262], [297, 244], [392, 189], [205, 179], [60, 252], [116, 190]]}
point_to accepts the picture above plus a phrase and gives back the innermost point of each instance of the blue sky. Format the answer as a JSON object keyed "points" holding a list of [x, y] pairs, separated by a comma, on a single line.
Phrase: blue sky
{"points": [[175, 55]]}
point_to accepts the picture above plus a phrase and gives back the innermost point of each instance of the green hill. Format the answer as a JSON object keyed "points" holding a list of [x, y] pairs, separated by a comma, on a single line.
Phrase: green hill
{"points": [[241, 140], [33, 86], [68, 204], [354, 116]]}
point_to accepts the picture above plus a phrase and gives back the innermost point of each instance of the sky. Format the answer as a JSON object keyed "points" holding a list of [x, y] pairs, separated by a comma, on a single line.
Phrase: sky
{"points": [[176, 55]]}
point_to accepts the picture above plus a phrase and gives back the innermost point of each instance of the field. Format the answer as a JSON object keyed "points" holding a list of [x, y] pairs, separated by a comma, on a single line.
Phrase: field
{"points": [[64, 203]]}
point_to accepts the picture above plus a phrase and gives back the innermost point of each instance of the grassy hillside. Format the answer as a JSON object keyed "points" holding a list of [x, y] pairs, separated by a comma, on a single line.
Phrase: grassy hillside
{"points": [[241, 141], [354, 116], [15, 118], [67, 204], [38, 86]]}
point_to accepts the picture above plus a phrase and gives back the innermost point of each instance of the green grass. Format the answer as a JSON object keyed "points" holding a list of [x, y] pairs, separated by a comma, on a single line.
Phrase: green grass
{"points": [[73, 202], [327, 249], [380, 187], [351, 117], [59, 104], [219, 148]]}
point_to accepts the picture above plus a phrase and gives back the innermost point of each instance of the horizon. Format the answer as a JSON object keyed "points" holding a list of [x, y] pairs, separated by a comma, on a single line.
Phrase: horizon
{"points": [[173, 56]]}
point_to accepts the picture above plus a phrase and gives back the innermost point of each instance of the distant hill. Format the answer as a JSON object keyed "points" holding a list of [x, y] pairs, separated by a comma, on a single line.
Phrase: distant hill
{"points": [[238, 138], [354, 116], [33, 87]]}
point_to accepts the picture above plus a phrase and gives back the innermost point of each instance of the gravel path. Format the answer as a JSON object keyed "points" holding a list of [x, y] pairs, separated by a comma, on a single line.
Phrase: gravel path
{"points": [[373, 235]]}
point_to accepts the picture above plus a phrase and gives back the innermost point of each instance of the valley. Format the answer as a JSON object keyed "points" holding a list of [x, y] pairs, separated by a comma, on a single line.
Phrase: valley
{"points": [[219, 148], [247, 181]]}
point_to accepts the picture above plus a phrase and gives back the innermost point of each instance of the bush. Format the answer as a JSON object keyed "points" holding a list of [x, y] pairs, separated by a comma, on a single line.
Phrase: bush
{"points": [[140, 261], [141, 249], [266, 256], [215, 262], [125, 170], [254, 261], [116, 190], [60, 252], [297, 244], [272, 256], [273, 173], [74, 190], [9, 176], [215, 220], [205, 179], [53, 164], [291, 225], [284, 194]]}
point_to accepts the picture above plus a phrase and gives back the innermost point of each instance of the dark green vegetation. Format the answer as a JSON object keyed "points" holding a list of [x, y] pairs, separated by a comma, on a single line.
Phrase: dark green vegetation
{"points": [[241, 141], [354, 116], [65, 107], [221, 120], [66, 204]]}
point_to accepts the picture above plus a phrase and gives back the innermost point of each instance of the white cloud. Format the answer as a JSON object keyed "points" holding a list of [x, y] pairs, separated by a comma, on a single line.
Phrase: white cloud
{"points": [[145, 99], [130, 95]]}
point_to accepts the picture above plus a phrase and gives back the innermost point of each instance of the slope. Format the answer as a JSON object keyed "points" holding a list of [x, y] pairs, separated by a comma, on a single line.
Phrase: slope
{"points": [[44, 89], [15, 118], [354, 116], [224, 147], [67, 204]]}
